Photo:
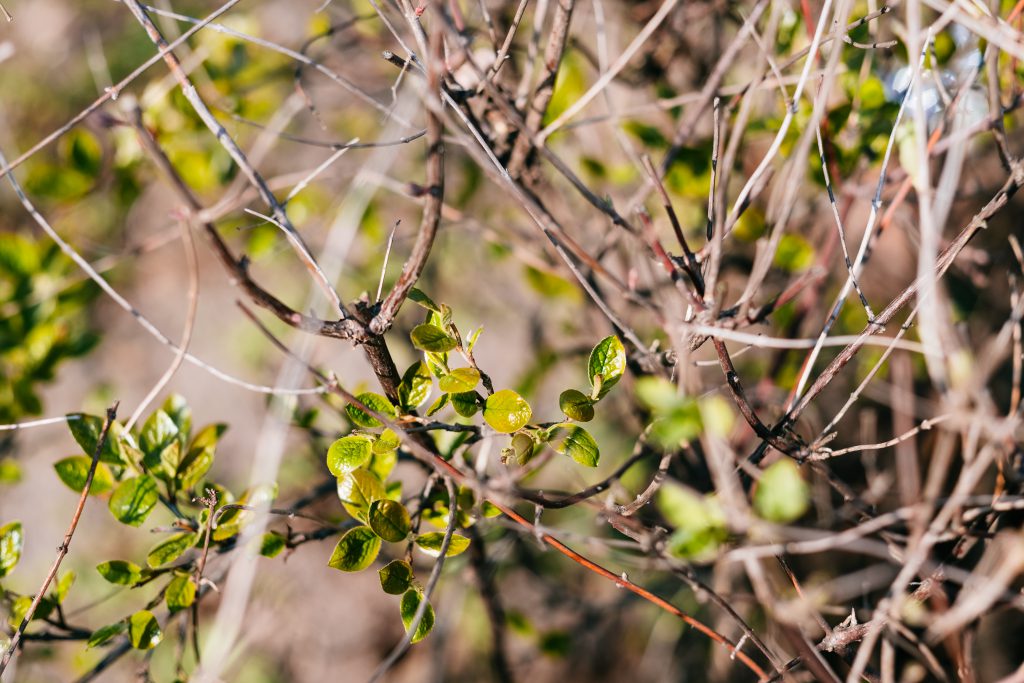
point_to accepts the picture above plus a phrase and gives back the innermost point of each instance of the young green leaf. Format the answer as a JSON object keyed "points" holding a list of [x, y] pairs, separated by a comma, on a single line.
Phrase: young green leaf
{"points": [[389, 520], [700, 525], [576, 405], [608, 359], [120, 572], [356, 550], [782, 495], [521, 448], [194, 466], [74, 471], [396, 577], [579, 445], [374, 402], [11, 541], [411, 600], [387, 442], [357, 490], [181, 415], [430, 543], [506, 411], [143, 630], [459, 381], [432, 338], [157, 434], [170, 549], [180, 593], [349, 453], [105, 633], [418, 297], [134, 499]]}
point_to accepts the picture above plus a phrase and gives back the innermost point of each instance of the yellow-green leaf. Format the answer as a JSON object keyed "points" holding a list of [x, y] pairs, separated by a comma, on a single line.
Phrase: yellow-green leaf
{"points": [[144, 631], [506, 411], [356, 550], [74, 471]]}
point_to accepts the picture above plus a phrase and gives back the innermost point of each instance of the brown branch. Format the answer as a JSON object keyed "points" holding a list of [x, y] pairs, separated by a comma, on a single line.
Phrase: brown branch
{"points": [[538, 104], [434, 195], [65, 546]]}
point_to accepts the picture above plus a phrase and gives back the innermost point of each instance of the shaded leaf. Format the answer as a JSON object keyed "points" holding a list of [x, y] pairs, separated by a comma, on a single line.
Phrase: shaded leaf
{"points": [[389, 520], [86, 431], [105, 633], [782, 495], [466, 404], [411, 600], [415, 388], [272, 544], [396, 577], [356, 550], [576, 405], [74, 471], [134, 499]]}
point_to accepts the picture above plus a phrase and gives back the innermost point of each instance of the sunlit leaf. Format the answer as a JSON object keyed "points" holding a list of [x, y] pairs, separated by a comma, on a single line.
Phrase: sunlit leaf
{"points": [[120, 572], [460, 380], [506, 411], [411, 600], [576, 405], [143, 630], [389, 520], [74, 471], [432, 338], [170, 549], [608, 359], [431, 542], [396, 577], [11, 542], [349, 453], [374, 402], [356, 550], [134, 499]]}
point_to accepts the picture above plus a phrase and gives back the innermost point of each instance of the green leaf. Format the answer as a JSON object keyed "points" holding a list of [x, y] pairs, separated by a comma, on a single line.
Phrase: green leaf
{"points": [[387, 442], [349, 453], [415, 388], [699, 522], [396, 577], [143, 630], [158, 433], [430, 543], [576, 405], [782, 495], [437, 405], [411, 600], [382, 464], [102, 635], [10, 471], [356, 550], [194, 466], [134, 499], [180, 593], [390, 520], [86, 430], [357, 490], [432, 338], [374, 402], [272, 544], [506, 411], [181, 415], [418, 297], [63, 586], [74, 471], [170, 549], [579, 445], [120, 572], [466, 404], [608, 359], [459, 381], [794, 254]]}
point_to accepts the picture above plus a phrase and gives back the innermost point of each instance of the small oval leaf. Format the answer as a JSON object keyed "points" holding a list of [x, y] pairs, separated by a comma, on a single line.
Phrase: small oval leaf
{"points": [[506, 411], [576, 405], [349, 453], [411, 600], [356, 550], [608, 359], [432, 338], [357, 490], [396, 577], [390, 520], [11, 541], [459, 381], [170, 549], [74, 471], [120, 572], [375, 402], [579, 445]]}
